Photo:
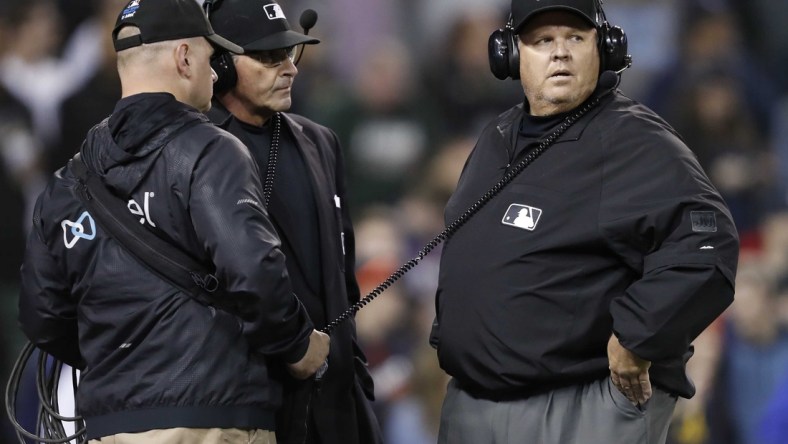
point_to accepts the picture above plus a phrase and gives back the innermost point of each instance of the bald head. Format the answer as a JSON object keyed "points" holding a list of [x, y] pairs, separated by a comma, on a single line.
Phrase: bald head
{"points": [[141, 57], [179, 67]]}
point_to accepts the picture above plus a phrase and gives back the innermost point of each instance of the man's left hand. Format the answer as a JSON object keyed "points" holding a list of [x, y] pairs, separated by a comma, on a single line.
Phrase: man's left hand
{"points": [[628, 372]]}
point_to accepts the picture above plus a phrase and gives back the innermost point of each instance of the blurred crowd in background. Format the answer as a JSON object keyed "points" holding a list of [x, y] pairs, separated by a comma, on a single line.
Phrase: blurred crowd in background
{"points": [[406, 86]]}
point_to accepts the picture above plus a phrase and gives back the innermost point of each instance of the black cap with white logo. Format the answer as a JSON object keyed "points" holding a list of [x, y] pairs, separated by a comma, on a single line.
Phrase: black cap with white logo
{"points": [[161, 20], [256, 25]]}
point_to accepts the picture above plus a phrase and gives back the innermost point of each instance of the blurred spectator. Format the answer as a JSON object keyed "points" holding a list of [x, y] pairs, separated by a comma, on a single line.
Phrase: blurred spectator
{"points": [[443, 171], [766, 35], [774, 242], [31, 70], [410, 384], [689, 424], [95, 100], [74, 12], [773, 429], [714, 119], [380, 324], [459, 76], [421, 220], [754, 358], [384, 125], [364, 28], [765, 31], [20, 181], [653, 29], [721, 100], [414, 415], [773, 426], [430, 22], [711, 38], [779, 141], [19, 178]]}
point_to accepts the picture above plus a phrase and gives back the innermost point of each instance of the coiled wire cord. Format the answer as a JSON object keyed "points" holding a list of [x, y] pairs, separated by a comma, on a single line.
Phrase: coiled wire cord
{"points": [[49, 421]]}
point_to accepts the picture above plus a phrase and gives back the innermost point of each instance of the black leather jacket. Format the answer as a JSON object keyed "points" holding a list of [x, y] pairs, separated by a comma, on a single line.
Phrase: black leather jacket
{"points": [[153, 357]]}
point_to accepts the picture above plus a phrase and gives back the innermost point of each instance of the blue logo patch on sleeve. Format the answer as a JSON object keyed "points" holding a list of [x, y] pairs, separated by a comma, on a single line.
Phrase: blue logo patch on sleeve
{"points": [[703, 221]]}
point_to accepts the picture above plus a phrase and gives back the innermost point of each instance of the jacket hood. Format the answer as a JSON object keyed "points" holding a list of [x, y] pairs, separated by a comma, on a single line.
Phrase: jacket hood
{"points": [[123, 148]]}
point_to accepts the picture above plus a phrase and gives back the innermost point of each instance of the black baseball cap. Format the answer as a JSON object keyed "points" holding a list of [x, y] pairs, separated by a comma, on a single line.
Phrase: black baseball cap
{"points": [[161, 20], [256, 25], [522, 10]]}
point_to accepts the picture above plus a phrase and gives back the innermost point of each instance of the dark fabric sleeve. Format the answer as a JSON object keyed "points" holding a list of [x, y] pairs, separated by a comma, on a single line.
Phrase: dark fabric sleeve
{"points": [[663, 217], [226, 209], [47, 312]]}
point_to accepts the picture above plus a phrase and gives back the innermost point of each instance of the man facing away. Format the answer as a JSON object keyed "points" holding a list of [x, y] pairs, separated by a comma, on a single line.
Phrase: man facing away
{"points": [[304, 185], [577, 327], [157, 365]]}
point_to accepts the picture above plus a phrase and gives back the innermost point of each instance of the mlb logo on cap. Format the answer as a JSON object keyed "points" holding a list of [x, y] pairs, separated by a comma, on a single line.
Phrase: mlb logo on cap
{"points": [[522, 216], [130, 9], [274, 11], [257, 25]]}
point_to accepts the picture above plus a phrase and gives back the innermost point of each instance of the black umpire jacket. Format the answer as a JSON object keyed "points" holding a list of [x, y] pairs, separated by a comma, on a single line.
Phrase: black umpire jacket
{"points": [[338, 408], [614, 229], [153, 357]]}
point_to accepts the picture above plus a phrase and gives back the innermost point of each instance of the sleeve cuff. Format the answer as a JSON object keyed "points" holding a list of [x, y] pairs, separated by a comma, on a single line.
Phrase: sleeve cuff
{"points": [[298, 352]]}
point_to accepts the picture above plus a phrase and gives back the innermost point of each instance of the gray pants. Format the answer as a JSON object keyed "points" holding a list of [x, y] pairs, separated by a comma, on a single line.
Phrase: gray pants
{"points": [[595, 413]]}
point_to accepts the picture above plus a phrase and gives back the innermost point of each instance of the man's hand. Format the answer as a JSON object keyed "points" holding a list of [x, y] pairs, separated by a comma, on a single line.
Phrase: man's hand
{"points": [[628, 372], [315, 356]]}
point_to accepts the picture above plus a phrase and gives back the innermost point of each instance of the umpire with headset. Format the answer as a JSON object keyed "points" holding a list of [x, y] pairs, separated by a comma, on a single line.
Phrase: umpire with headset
{"points": [[567, 305], [304, 187]]}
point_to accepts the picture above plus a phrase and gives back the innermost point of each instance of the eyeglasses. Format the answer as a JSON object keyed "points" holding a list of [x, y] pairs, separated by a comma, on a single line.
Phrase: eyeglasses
{"points": [[274, 57]]}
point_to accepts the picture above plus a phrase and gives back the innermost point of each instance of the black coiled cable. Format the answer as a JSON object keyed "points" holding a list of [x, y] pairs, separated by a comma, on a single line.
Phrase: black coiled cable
{"points": [[273, 153], [49, 423], [460, 221]]}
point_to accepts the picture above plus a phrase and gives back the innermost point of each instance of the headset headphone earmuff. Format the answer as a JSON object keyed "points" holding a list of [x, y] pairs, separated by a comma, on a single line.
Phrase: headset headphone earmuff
{"points": [[612, 43], [222, 61], [224, 67], [613, 48], [504, 55]]}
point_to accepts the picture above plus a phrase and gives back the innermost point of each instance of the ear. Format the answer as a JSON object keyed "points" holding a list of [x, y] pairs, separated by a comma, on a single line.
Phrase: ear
{"points": [[183, 54]]}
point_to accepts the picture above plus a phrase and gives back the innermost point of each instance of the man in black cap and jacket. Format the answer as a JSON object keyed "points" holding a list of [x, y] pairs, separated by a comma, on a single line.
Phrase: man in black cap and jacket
{"points": [[567, 305], [302, 167], [159, 366]]}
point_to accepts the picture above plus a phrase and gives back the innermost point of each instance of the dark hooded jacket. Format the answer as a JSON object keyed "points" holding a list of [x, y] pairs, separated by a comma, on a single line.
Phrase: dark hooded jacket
{"points": [[151, 356]]}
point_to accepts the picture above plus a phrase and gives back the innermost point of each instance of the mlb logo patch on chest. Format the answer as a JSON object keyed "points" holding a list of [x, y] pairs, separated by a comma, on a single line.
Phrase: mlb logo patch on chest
{"points": [[522, 216]]}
